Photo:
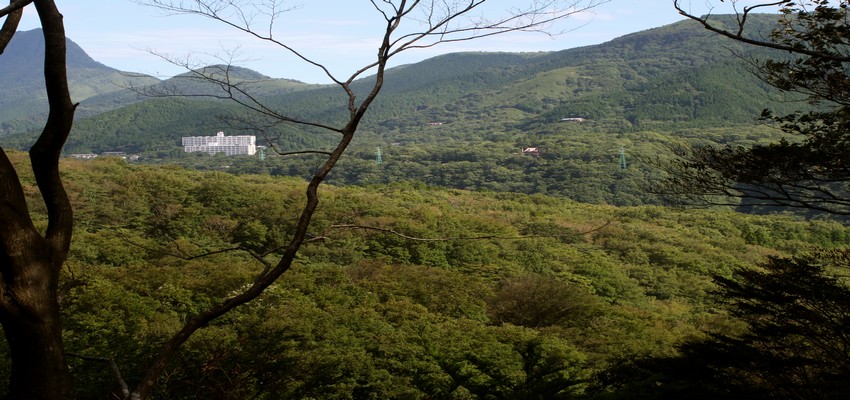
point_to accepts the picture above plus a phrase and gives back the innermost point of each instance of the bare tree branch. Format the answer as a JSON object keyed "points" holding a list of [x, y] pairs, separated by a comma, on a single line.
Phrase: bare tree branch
{"points": [[729, 177], [220, 13], [113, 367], [220, 76], [537, 17], [462, 238], [739, 35], [291, 153]]}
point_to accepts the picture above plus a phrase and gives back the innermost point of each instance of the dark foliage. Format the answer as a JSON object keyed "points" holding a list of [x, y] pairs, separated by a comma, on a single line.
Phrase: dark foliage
{"points": [[809, 169], [796, 344]]}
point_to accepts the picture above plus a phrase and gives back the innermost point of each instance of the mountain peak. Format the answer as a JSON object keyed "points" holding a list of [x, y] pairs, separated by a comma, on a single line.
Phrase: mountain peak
{"points": [[221, 70], [22, 76], [25, 54]]}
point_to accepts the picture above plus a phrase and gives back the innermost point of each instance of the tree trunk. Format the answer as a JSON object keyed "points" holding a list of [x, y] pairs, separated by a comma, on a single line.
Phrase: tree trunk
{"points": [[29, 261], [31, 326], [39, 370], [29, 310]]}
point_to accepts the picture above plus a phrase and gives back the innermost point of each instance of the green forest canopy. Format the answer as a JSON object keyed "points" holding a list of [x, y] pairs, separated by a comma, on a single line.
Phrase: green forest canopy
{"points": [[526, 294]]}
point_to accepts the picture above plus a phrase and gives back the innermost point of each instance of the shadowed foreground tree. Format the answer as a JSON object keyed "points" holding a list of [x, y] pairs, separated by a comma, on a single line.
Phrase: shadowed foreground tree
{"points": [[811, 169], [795, 345], [30, 261], [405, 25]]}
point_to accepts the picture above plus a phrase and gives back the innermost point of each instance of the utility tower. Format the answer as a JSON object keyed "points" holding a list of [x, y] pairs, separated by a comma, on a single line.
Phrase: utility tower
{"points": [[623, 164], [378, 159]]}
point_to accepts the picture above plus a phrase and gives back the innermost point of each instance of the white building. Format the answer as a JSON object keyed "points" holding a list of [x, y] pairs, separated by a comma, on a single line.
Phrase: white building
{"points": [[229, 145]]}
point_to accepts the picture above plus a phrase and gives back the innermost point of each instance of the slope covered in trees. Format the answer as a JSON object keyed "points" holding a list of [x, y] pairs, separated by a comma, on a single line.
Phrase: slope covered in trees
{"points": [[24, 100], [668, 77], [497, 303], [642, 92]]}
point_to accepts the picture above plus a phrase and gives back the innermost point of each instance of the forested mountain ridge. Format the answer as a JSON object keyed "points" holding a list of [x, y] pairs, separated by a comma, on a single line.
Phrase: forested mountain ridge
{"points": [[655, 76], [23, 101], [639, 92], [98, 88], [677, 73], [189, 83]]}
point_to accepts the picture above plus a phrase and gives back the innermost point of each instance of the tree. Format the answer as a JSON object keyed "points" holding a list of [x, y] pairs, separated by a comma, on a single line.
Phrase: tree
{"points": [[810, 169], [407, 25], [30, 262], [537, 301], [795, 343]]}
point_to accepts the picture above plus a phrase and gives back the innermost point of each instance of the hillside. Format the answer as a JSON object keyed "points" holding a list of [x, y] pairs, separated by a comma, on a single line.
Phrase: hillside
{"points": [[513, 295], [676, 74], [23, 102], [192, 83], [641, 92], [97, 87], [670, 77]]}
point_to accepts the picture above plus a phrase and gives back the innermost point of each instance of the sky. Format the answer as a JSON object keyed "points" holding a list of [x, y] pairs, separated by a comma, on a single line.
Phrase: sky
{"points": [[336, 33]]}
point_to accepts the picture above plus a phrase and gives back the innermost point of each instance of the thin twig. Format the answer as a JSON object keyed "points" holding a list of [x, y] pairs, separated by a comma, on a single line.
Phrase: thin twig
{"points": [[459, 238], [113, 366]]}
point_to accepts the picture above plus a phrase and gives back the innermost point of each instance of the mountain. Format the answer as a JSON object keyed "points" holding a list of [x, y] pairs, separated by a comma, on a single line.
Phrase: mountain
{"points": [[24, 101], [196, 84], [678, 75], [670, 77], [639, 93], [97, 87]]}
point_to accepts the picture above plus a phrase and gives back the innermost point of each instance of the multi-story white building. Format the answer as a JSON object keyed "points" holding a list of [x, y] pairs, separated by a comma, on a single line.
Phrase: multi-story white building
{"points": [[229, 145]]}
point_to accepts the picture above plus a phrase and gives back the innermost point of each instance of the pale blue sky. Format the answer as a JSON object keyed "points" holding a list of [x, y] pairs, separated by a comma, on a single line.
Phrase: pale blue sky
{"points": [[118, 32]]}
